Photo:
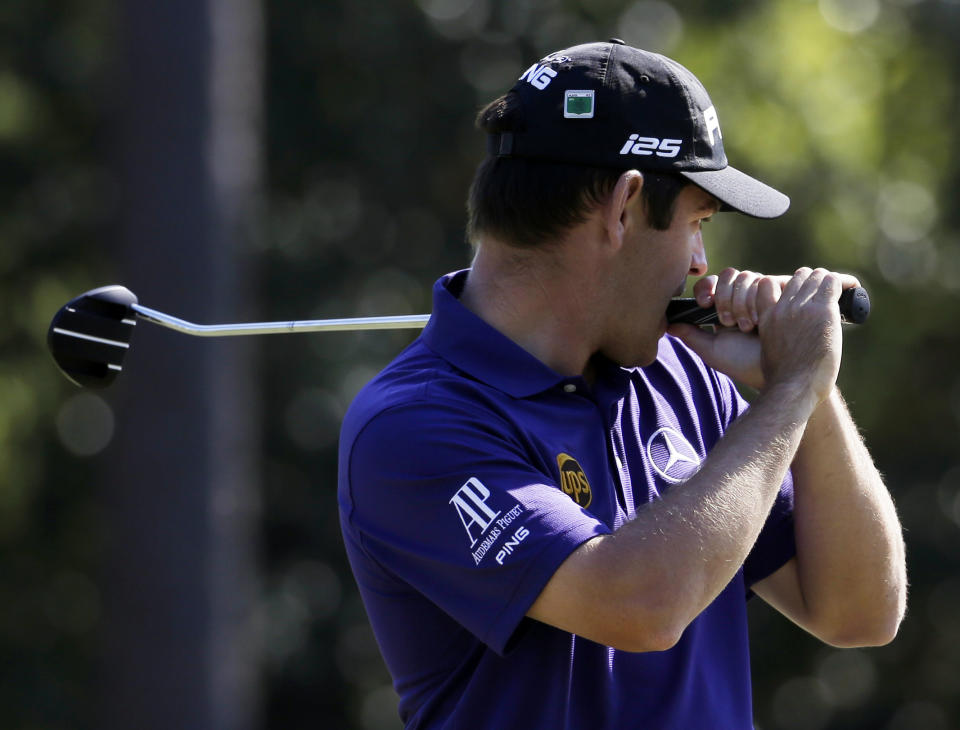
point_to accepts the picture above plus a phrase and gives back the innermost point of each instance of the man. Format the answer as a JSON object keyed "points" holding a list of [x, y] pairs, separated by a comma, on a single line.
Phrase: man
{"points": [[555, 510]]}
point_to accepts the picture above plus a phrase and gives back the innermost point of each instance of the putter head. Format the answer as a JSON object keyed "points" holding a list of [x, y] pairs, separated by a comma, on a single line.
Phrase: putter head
{"points": [[90, 335]]}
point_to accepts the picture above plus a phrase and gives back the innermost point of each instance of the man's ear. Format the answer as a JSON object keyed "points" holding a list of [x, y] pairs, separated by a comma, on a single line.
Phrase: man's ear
{"points": [[621, 205]]}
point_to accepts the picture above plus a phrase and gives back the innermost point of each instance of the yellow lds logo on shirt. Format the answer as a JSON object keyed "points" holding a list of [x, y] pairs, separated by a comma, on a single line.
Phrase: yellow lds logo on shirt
{"points": [[573, 481]]}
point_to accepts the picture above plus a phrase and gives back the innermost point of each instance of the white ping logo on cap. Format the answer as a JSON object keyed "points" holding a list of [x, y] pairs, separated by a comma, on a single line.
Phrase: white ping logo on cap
{"points": [[712, 123], [539, 76]]}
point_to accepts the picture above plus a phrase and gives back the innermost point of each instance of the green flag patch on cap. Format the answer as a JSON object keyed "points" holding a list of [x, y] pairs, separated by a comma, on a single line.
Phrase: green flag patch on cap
{"points": [[578, 104]]}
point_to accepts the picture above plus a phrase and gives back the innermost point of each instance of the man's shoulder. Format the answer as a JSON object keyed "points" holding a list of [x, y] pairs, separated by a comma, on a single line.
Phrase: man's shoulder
{"points": [[405, 380], [417, 384]]}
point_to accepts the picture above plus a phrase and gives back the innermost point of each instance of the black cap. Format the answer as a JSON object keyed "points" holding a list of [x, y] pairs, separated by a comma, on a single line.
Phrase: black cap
{"points": [[612, 105]]}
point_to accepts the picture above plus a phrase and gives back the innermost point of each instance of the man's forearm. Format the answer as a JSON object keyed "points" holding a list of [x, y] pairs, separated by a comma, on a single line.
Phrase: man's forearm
{"points": [[850, 553], [640, 587], [700, 533]]}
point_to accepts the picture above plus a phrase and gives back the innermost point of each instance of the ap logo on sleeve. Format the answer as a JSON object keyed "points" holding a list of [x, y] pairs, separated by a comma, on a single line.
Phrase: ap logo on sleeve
{"points": [[470, 501], [484, 525]]}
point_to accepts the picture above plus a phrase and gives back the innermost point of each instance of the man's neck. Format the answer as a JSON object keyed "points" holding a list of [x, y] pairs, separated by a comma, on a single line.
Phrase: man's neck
{"points": [[537, 299]]}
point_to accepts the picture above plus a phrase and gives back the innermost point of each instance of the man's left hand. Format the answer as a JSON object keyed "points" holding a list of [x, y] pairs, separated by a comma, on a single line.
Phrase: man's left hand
{"points": [[734, 349]]}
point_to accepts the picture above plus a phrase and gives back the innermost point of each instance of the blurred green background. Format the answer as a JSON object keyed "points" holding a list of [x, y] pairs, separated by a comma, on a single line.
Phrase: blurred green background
{"points": [[356, 149]]}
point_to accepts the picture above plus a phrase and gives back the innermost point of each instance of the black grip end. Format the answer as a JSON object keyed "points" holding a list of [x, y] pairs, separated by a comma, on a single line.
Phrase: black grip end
{"points": [[855, 305]]}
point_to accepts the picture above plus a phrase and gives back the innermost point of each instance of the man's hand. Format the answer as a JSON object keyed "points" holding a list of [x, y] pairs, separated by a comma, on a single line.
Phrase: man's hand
{"points": [[778, 329]]}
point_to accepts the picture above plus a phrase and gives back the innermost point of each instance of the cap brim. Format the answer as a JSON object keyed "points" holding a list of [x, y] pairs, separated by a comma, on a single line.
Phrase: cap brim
{"points": [[738, 191]]}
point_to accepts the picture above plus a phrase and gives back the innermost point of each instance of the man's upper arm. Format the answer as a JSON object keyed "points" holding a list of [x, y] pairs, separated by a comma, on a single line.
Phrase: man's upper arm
{"points": [[577, 599], [781, 590], [447, 501]]}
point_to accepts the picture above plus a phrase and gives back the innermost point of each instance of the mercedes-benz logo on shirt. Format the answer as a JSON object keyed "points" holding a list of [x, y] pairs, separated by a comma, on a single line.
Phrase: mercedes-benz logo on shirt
{"points": [[672, 456]]}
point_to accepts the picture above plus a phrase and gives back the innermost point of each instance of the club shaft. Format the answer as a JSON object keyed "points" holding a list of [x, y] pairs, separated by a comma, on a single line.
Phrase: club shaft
{"points": [[350, 324], [854, 306]]}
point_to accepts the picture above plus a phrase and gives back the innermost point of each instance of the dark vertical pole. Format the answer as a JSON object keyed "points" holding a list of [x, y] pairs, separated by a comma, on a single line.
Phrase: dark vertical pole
{"points": [[181, 497]]}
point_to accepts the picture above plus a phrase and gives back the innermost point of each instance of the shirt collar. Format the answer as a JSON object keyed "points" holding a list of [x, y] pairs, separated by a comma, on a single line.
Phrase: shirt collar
{"points": [[463, 339]]}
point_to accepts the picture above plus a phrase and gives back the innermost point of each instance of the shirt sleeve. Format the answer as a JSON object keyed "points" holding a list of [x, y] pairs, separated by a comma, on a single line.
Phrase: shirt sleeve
{"points": [[450, 502], [775, 546]]}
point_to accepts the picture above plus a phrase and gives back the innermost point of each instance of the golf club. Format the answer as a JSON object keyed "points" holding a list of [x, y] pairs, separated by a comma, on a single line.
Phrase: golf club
{"points": [[90, 335]]}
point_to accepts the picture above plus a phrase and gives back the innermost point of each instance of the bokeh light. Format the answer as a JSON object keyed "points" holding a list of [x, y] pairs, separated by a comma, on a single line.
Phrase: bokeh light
{"points": [[906, 211], [456, 19], [85, 424], [380, 709], [849, 676], [920, 714], [801, 703], [850, 16], [312, 418], [72, 603], [491, 65], [652, 25]]}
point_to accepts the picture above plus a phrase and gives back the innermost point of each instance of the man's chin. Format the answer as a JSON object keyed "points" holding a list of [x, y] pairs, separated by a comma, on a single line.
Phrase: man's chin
{"points": [[645, 350], [638, 359], [640, 363]]}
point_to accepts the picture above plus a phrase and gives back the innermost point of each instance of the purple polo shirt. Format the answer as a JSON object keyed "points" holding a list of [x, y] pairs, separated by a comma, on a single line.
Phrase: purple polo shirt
{"points": [[469, 471]]}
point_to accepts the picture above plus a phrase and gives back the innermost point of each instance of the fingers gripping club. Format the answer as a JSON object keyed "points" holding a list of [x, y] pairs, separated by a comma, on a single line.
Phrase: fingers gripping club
{"points": [[854, 309]]}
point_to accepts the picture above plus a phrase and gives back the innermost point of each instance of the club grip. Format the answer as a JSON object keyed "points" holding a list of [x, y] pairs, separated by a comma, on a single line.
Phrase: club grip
{"points": [[854, 308]]}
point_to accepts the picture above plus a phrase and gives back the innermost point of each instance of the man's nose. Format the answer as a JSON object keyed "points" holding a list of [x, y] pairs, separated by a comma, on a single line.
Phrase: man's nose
{"points": [[698, 262]]}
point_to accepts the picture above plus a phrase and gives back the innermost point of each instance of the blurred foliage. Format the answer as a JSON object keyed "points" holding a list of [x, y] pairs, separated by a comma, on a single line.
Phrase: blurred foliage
{"points": [[56, 204], [847, 105]]}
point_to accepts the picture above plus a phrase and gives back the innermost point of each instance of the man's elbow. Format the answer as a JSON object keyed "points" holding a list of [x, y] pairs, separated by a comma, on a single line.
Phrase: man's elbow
{"points": [[865, 629], [859, 637], [644, 628], [645, 639]]}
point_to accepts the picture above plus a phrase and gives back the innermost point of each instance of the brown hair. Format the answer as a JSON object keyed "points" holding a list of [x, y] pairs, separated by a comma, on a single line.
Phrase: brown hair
{"points": [[527, 203]]}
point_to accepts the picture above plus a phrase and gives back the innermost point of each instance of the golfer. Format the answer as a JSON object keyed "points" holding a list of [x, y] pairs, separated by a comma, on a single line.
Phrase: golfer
{"points": [[555, 506]]}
